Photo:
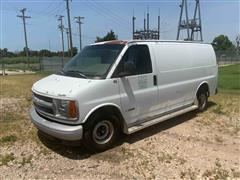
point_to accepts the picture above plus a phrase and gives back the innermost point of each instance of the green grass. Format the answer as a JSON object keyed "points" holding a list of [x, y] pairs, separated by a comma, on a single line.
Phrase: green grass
{"points": [[229, 77], [16, 92], [19, 85]]}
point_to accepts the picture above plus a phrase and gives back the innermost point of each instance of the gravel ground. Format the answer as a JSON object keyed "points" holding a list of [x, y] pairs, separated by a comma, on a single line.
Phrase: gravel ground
{"points": [[191, 146], [15, 72]]}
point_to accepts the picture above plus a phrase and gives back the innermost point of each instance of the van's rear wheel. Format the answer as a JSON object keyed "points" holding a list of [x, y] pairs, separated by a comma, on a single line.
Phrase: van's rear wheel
{"points": [[101, 132], [202, 100]]}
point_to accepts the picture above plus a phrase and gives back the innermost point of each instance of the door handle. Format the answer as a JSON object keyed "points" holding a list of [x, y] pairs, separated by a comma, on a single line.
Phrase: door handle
{"points": [[155, 80]]}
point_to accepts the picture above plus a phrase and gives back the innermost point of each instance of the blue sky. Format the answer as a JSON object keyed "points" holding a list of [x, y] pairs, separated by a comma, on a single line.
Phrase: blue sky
{"points": [[218, 17]]}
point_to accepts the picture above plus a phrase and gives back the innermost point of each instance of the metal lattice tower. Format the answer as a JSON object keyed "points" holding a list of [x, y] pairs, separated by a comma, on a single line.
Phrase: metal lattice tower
{"points": [[193, 26]]}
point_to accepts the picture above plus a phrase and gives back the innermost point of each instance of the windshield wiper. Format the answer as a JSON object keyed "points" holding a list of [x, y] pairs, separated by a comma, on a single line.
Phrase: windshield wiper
{"points": [[77, 73], [61, 72]]}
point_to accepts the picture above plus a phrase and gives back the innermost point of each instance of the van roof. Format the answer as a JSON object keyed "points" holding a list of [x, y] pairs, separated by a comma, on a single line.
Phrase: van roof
{"points": [[135, 41]]}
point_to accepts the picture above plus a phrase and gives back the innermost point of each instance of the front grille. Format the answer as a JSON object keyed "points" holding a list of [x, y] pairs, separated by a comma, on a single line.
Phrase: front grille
{"points": [[43, 109], [44, 98], [43, 105]]}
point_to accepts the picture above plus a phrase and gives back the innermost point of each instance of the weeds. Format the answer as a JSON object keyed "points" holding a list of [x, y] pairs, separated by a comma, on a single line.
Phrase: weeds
{"points": [[5, 159], [217, 172], [26, 160], [164, 157], [218, 110], [7, 117], [8, 139], [189, 174]]}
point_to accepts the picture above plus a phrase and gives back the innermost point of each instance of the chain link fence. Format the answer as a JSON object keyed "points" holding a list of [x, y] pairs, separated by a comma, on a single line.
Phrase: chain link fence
{"points": [[9, 65], [227, 57], [54, 64]]}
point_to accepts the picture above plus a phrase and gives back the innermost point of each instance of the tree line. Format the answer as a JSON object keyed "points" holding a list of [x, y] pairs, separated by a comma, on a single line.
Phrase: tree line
{"points": [[33, 53], [220, 43]]}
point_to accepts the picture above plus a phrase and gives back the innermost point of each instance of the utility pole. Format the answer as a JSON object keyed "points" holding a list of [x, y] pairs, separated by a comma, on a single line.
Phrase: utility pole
{"points": [[133, 25], [25, 32], [69, 28], [68, 42], [159, 24], [61, 27], [147, 23], [78, 20], [238, 43], [2, 59], [144, 22], [49, 44]]}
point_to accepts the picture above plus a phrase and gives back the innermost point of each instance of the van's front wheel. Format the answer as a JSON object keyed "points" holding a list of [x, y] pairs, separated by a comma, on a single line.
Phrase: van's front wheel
{"points": [[202, 100], [101, 132]]}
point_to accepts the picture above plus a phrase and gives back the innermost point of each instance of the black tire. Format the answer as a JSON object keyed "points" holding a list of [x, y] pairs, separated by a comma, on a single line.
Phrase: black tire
{"points": [[101, 132], [202, 99]]}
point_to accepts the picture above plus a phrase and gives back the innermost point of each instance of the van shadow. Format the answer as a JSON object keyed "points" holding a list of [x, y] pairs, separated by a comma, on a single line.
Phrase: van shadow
{"points": [[75, 150], [72, 150], [162, 126]]}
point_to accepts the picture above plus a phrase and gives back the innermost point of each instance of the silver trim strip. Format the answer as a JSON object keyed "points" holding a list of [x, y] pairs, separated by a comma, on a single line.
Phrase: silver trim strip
{"points": [[42, 102]]}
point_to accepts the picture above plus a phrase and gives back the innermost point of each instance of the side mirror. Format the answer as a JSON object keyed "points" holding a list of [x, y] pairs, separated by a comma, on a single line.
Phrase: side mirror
{"points": [[129, 69]]}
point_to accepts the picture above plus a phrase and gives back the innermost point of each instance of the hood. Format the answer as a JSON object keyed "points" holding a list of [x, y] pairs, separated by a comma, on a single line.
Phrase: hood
{"points": [[57, 85]]}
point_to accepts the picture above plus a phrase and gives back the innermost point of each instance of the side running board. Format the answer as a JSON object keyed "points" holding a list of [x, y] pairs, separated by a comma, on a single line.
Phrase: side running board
{"points": [[160, 119]]}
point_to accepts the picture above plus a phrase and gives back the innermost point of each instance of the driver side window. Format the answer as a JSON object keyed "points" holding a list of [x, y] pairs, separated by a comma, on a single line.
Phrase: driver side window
{"points": [[139, 58]]}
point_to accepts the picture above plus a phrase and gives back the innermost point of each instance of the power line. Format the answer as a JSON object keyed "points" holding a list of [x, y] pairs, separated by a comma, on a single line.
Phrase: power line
{"points": [[110, 13], [107, 16], [25, 32], [49, 11]]}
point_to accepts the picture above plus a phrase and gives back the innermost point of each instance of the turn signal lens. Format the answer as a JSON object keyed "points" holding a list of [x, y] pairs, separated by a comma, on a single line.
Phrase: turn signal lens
{"points": [[72, 109]]}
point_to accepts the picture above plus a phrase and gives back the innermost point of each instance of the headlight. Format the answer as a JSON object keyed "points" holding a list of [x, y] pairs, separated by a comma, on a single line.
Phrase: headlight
{"points": [[65, 109]]}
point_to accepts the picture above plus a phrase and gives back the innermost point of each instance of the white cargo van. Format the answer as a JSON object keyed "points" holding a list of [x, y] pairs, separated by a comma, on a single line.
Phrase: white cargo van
{"points": [[123, 86]]}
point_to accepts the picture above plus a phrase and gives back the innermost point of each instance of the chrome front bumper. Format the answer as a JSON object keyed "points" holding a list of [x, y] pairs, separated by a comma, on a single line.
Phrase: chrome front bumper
{"points": [[57, 130]]}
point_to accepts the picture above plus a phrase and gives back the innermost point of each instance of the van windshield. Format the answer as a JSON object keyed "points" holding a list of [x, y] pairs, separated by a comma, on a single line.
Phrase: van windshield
{"points": [[93, 61]]}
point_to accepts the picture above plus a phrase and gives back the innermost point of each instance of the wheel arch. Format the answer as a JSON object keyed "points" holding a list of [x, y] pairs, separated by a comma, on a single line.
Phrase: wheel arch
{"points": [[108, 107], [203, 86]]}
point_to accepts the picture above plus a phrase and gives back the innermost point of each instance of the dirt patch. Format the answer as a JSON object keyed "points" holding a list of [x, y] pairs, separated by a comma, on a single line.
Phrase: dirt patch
{"points": [[15, 72], [11, 104], [191, 146]]}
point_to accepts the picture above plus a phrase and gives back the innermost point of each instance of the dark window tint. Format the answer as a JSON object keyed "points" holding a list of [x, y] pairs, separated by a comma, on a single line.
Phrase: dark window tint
{"points": [[139, 56]]}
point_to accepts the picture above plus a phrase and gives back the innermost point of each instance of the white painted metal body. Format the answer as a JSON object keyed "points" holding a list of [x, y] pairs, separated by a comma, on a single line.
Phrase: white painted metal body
{"points": [[180, 68]]}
